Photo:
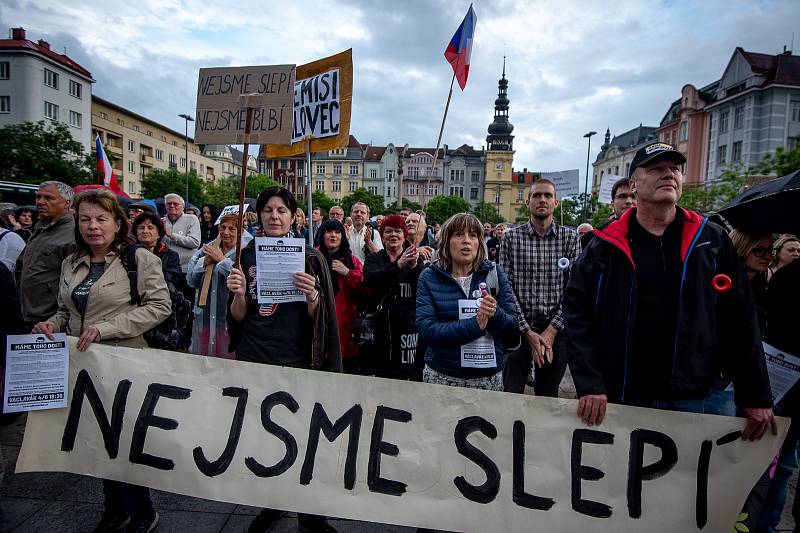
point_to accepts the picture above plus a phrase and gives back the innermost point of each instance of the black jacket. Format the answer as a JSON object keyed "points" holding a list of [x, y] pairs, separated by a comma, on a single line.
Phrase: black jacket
{"points": [[716, 331]]}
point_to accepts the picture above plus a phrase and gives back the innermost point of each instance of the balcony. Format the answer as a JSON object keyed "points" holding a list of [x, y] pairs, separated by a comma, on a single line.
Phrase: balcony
{"points": [[173, 166], [146, 159]]}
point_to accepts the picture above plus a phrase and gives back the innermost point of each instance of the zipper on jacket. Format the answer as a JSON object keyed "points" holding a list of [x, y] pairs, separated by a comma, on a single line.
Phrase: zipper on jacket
{"points": [[680, 294]]}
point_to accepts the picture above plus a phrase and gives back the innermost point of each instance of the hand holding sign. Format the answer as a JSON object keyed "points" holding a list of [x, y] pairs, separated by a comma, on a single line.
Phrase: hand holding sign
{"points": [[44, 327]]}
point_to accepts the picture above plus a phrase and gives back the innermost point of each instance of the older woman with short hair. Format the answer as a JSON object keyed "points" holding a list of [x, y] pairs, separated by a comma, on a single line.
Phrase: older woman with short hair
{"points": [[94, 304], [148, 231], [465, 349]]}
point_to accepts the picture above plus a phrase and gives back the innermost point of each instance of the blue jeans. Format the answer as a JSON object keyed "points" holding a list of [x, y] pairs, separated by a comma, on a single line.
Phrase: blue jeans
{"points": [[718, 402], [770, 515]]}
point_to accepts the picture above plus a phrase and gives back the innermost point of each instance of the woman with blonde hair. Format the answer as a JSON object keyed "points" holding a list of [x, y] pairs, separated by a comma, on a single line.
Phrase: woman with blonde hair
{"points": [[95, 305], [464, 307], [299, 226], [785, 250], [208, 273]]}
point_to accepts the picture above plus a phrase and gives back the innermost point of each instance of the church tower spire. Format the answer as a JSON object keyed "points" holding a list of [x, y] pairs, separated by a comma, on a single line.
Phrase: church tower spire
{"points": [[500, 129]]}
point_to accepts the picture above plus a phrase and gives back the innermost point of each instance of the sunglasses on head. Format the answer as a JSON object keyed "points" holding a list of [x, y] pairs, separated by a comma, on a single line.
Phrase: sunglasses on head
{"points": [[761, 251]]}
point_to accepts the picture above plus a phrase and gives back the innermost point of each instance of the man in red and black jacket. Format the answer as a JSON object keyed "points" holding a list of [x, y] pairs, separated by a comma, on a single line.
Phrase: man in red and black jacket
{"points": [[659, 305]]}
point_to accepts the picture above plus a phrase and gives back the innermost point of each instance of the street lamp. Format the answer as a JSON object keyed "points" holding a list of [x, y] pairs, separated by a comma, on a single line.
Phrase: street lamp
{"points": [[586, 186], [187, 119]]}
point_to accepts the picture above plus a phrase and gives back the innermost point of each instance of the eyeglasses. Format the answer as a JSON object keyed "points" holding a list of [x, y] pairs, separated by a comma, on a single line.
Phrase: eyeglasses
{"points": [[172, 204], [761, 251]]}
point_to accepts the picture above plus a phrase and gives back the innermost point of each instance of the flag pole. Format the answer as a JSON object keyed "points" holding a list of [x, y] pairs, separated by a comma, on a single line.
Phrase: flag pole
{"points": [[243, 186], [439, 141], [309, 192]]}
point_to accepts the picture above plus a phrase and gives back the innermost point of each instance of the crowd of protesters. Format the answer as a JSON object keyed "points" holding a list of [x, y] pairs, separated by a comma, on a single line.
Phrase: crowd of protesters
{"points": [[384, 296]]}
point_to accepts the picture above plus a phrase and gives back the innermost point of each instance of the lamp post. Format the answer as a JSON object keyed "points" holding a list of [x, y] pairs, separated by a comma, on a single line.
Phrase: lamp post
{"points": [[186, 118], [586, 186]]}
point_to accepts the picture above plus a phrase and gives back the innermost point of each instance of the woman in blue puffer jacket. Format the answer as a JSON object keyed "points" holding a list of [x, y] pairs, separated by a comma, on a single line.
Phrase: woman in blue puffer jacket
{"points": [[464, 308]]}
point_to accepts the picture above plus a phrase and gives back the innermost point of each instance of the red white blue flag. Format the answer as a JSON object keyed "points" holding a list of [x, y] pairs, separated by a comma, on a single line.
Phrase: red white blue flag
{"points": [[104, 170], [460, 48]]}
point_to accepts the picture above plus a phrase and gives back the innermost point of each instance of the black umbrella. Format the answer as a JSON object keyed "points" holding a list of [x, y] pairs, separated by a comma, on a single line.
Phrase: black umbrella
{"points": [[769, 207]]}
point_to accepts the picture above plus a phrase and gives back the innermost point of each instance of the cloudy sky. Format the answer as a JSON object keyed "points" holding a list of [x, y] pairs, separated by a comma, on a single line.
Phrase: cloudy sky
{"points": [[573, 65]]}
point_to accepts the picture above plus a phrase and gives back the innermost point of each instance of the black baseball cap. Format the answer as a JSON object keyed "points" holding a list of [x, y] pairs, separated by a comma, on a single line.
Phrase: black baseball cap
{"points": [[653, 151]]}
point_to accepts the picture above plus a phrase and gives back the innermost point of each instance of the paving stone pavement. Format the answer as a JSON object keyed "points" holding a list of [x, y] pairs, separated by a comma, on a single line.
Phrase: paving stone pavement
{"points": [[55, 501]]}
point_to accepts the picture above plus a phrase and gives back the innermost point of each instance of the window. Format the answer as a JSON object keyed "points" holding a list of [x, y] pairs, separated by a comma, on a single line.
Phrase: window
{"points": [[320, 185], [736, 151], [337, 186], [159, 154], [5, 70], [433, 190], [684, 131], [722, 151], [389, 175], [131, 146], [353, 186], [353, 170], [301, 171], [183, 162], [794, 110], [192, 166], [284, 164], [412, 188], [75, 119], [373, 190], [456, 191], [373, 173], [413, 172], [120, 121], [131, 187], [5, 104], [723, 121], [149, 133], [497, 197], [174, 143], [135, 127], [51, 111], [457, 175], [103, 115], [388, 191], [75, 89], [738, 117], [132, 167], [320, 168], [473, 194], [173, 161], [476, 176], [337, 169], [51, 78], [520, 194]]}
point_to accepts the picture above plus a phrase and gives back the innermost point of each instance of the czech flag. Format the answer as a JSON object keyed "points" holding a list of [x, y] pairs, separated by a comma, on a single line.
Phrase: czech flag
{"points": [[104, 170], [460, 47]]}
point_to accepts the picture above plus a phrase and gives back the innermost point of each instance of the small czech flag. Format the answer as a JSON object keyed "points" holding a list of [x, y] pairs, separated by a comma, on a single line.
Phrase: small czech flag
{"points": [[460, 47], [104, 170]]}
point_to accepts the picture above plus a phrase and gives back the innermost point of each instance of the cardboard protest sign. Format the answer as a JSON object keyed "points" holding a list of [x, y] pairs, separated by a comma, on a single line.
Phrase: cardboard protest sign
{"points": [[606, 184], [231, 210], [391, 451], [566, 182], [221, 108], [323, 95]]}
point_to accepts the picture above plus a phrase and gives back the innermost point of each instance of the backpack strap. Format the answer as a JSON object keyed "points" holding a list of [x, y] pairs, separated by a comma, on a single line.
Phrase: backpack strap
{"points": [[128, 258]]}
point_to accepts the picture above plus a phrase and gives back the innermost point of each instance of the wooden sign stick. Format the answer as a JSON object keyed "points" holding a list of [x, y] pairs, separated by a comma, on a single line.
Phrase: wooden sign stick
{"points": [[242, 186]]}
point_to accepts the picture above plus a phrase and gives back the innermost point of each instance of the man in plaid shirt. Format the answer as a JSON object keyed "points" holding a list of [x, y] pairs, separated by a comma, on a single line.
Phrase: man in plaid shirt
{"points": [[537, 257]]}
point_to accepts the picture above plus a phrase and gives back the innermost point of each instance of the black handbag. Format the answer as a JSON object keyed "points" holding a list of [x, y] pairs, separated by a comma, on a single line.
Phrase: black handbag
{"points": [[364, 325]]}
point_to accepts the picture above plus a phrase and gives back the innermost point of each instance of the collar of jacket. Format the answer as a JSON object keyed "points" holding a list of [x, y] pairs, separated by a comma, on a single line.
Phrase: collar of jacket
{"points": [[616, 233], [485, 266], [41, 225], [552, 230], [85, 259]]}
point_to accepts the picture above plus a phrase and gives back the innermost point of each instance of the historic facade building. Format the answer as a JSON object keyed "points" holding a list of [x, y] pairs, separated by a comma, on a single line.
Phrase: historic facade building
{"points": [[499, 188], [464, 171], [686, 126], [37, 83], [616, 154], [422, 178], [338, 172], [756, 109]]}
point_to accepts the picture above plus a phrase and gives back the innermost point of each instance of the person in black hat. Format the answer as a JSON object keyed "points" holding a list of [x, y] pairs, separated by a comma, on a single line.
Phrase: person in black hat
{"points": [[659, 306], [137, 208]]}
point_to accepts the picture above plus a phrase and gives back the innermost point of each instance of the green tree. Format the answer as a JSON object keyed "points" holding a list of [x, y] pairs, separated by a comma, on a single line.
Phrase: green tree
{"points": [[440, 208], [487, 213], [571, 208], [225, 191], [33, 153], [712, 196], [159, 182], [600, 215], [781, 162], [320, 199], [373, 201]]}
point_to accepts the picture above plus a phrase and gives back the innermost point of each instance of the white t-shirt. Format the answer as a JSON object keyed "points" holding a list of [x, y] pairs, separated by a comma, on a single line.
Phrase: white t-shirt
{"points": [[465, 283], [356, 239]]}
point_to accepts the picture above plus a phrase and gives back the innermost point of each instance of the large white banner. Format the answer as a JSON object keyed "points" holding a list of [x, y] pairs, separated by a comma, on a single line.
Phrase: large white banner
{"points": [[606, 185], [391, 451]]}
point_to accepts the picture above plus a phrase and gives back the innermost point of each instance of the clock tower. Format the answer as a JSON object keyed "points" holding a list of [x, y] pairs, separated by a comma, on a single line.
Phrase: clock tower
{"points": [[499, 187]]}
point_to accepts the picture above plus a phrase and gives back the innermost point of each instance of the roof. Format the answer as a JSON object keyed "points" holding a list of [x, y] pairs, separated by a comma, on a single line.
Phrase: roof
{"points": [[238, 155], [630, 139], [466, 151], [374, 153], [782, 69], [529, 177], [43, 48], [411, 152]]}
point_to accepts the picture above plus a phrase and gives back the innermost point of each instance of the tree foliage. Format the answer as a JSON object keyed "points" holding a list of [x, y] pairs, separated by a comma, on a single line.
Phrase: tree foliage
{"points": [[440, 208], [781, 162], [487, 212], [225, 191], [37, 152], [407, 204], [714, 195], [373, 201], [158, 183], [320, 199]]}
